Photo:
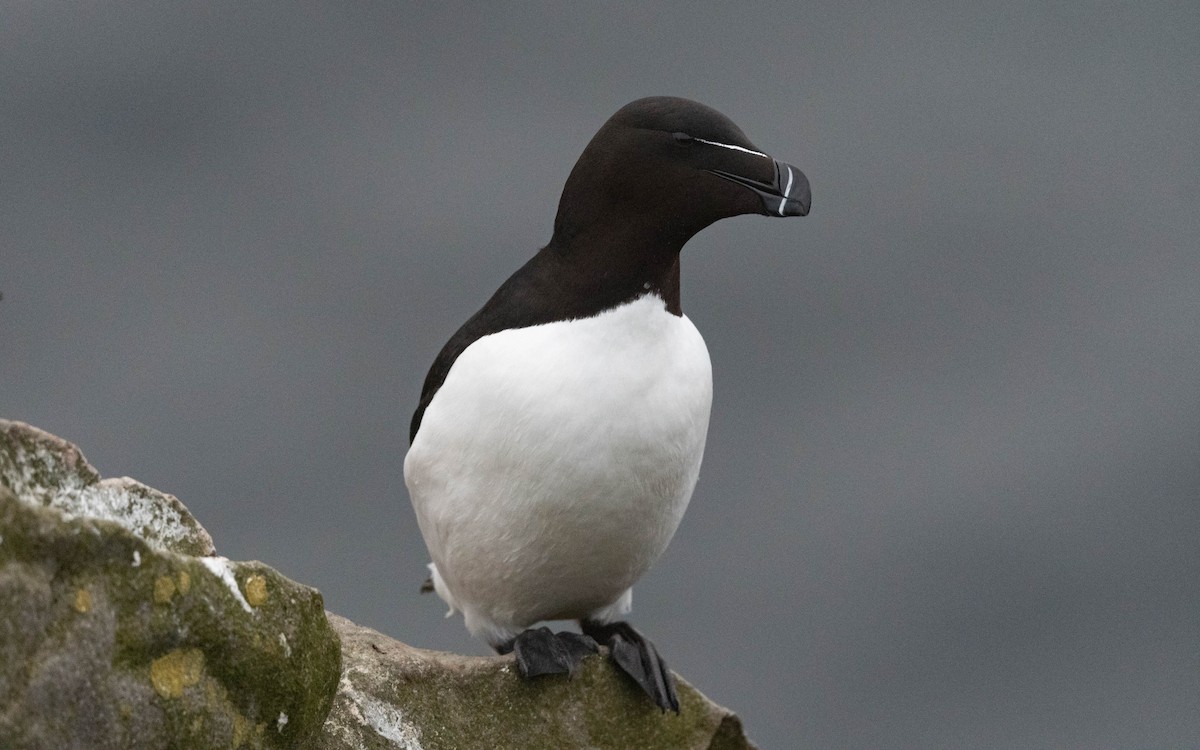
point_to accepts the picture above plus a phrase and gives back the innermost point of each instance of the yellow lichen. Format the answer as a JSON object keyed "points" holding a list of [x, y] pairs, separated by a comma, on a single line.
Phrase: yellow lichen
{"points": [[164, 589], [256, 590], [177, 670], [241, 728], [185, 582], [83, 601]]}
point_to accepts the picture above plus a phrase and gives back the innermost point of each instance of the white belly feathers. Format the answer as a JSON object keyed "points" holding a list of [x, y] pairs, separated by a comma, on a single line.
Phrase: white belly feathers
{"points": [[556, 461]]}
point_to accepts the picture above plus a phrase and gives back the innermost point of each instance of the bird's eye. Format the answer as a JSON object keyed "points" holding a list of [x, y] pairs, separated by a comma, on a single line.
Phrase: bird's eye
{"points": [[682, 137]]}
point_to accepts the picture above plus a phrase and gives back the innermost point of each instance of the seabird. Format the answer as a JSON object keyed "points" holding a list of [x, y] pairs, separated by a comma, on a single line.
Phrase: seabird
{"points": [[559, 432]]}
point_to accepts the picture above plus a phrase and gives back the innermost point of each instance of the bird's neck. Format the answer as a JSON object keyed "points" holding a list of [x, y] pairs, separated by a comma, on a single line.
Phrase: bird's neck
{"points": [[624, 263]]}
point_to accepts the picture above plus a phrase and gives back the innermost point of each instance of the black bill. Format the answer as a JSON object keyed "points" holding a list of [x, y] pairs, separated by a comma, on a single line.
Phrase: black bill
{"points": [[788, 195]]}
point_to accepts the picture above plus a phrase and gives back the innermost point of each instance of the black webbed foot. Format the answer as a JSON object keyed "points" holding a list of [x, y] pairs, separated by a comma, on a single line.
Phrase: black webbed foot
{"points": [[638, 658], [541, 652]]}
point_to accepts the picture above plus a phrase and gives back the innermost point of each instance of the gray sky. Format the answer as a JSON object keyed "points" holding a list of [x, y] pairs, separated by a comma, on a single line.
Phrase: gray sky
{"points": [[951, 495]]}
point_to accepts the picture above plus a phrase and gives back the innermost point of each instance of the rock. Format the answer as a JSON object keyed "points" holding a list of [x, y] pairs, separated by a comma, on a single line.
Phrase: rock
{"points": [[395, 696], [112, 640], [120, 629], [41, 468]]}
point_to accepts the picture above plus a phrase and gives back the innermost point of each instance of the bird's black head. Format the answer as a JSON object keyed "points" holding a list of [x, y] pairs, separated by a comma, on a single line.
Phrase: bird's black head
{"points": [[670, 167]]}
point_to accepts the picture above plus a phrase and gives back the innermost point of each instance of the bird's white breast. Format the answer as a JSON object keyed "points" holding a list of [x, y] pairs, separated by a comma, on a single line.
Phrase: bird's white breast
{"points": [[556, 461]]}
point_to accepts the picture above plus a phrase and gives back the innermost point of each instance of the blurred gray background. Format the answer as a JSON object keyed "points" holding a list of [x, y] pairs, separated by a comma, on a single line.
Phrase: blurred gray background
{"points": [[951, 496]]}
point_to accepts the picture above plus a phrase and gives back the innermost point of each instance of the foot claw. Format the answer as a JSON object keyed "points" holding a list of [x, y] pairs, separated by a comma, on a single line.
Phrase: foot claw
{"points": [[638, 658]]}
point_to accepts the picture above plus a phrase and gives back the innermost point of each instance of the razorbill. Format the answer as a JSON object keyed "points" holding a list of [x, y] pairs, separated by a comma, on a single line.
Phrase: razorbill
{"points": [[560, 430]]}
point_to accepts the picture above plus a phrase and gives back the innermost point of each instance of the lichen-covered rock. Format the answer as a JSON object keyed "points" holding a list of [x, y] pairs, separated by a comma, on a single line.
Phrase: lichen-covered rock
{"points": [[110, 641], [395, 696], [41, 468], [119, 629]]}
